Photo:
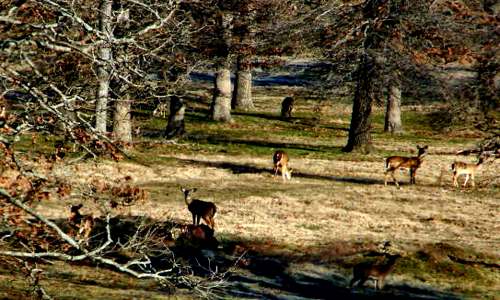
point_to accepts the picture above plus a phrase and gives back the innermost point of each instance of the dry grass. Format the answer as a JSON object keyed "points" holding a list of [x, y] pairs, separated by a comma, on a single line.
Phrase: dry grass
{"points": [[330, 207]]}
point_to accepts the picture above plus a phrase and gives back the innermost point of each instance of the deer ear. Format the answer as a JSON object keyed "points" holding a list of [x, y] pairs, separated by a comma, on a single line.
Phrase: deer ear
{"points": [[182, 189], [194, 190]]}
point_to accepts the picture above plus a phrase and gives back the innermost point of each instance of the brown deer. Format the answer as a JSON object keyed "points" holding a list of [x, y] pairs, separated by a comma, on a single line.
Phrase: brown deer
{"points": [[280, 162], [287, 108], [373, 270], [468, 169], [394, 163], [83, 224], [199, 208]]}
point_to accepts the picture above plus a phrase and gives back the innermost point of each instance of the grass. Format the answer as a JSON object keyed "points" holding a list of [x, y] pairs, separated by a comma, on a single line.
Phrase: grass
{"points": [[334, 210]]}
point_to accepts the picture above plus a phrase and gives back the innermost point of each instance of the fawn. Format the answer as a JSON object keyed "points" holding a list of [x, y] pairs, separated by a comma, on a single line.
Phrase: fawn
{"points": [[199, 208], [280, 161], [84, 224], [394, 163], [467, 169], [375, 271]]}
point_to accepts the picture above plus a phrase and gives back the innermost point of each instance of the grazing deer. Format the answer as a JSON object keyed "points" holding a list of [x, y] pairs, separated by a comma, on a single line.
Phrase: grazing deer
{"points": [[375, 271], [280, 161], [84, 224], [287, 108], [467, 169], [394, 163], [199, 208]]}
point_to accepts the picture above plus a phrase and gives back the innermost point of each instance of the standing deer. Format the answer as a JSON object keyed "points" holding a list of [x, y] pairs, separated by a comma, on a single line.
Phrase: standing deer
{"points": [[199, 208], [280, 162], [394, 163], [375, 271], [467, 169]]}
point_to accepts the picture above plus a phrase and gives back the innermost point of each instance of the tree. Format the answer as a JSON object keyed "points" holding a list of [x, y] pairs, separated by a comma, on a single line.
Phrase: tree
{"points": [[104, 66], [119, 52], [393, 110], [359, 131], [175, 125]]}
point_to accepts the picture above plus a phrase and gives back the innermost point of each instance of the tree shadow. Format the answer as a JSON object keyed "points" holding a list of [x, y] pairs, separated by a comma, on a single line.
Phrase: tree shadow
{"points": [[218, 139], [269, 277], [252, 169]]}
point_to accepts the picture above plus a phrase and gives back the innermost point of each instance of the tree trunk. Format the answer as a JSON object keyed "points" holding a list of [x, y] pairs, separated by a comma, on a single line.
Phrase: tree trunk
{"points": [[103, 73], [242, 96], [221, 103], [175, 126], [122, 121], [359, 131], [393, 112]]}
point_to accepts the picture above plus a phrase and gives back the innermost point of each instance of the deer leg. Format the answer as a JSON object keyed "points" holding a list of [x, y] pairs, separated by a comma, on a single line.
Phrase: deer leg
{"points": [[412, 176], [380, 283], [472, 180], [466, 179], [361, 282], [353, 281], [394, 178], [455, 181], [194, 219], [276, 169]]}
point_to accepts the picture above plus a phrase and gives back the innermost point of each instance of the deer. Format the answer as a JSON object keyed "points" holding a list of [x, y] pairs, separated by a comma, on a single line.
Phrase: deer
{"points": [[374, 270], [280, 162], [287, 107], [468, 169], [394, 163], [84, 224], [199, 208]]}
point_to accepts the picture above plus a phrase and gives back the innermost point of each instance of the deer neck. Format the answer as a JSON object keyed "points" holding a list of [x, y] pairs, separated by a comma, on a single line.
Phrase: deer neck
{"points": [[188, 199]]}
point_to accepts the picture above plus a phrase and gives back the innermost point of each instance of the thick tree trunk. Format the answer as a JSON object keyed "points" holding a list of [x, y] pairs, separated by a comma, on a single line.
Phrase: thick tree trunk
{"points": [[103, 73], [242, 96], [122, 121], [393, 111], [175, 126], [221, 103], [359, 131]]}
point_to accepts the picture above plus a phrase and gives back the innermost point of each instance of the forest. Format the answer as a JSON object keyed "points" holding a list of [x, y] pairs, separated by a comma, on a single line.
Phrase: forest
{"points": [[249, 149]]}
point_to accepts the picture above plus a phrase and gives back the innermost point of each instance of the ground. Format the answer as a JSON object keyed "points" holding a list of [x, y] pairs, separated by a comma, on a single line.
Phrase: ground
{"points": [[300, 239]]}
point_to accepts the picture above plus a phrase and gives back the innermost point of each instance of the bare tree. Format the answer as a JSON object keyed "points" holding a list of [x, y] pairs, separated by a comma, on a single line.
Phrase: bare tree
{"points": [[393, 109], [104, 64], [242, 96]]}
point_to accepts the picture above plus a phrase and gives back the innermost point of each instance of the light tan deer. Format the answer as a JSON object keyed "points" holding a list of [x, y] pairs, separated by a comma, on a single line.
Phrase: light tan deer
{"points": [[376, 271], [394, 163], [468, 169], [280, 162], [199, 208]]}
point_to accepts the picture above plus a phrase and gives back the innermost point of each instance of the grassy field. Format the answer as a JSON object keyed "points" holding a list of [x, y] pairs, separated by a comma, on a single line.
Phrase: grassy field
{"points": [[301, 238]]}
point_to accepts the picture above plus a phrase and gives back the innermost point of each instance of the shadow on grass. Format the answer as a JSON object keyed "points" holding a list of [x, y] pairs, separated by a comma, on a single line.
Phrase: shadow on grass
{"points": [[270, 277], [262, 275], [249, 169], [212, 139]]}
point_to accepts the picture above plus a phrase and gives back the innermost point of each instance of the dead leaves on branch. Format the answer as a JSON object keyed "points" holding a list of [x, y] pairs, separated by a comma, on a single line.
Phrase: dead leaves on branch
{"points": [[120, 193]]}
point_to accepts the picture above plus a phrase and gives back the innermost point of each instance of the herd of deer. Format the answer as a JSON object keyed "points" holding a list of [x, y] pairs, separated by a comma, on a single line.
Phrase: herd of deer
{"points": [[206, 210]]}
